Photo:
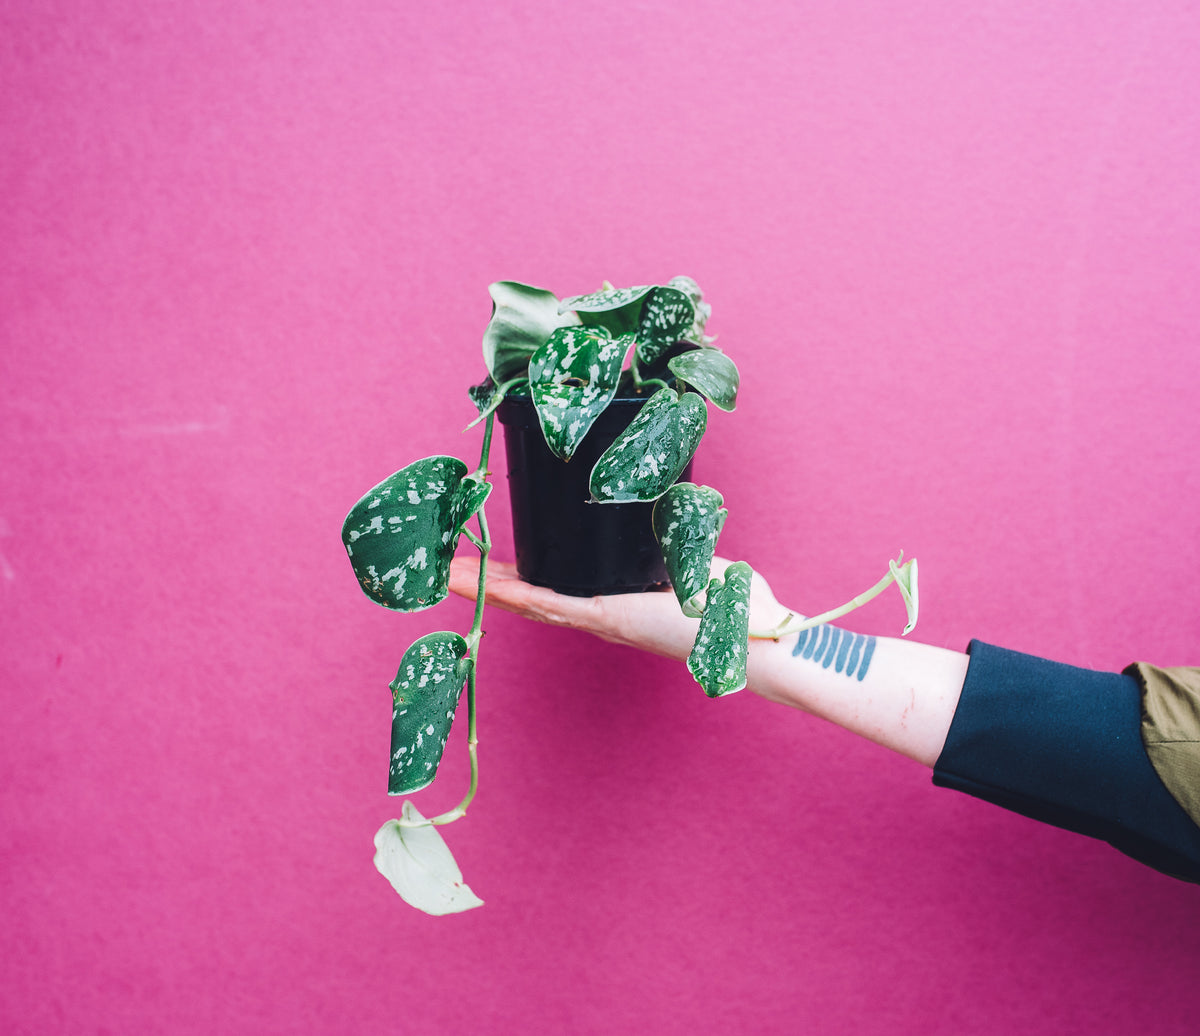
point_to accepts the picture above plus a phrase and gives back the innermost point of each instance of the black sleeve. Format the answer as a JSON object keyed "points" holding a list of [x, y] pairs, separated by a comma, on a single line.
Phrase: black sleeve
{"points": [[1063, 745]]}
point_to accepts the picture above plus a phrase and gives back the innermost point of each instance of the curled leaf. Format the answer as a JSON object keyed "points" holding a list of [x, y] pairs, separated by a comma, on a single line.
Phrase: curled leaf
{"points": [[650, 454], [906, 579], [687, 520], [718, 658], [416, 860], [523, 317], [615, 309], [401, 535], [425, 697], [711, 373]]}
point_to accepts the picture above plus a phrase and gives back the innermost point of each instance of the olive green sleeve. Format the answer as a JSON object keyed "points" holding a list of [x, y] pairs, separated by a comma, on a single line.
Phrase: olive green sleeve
{"points": [[1171, 729]]}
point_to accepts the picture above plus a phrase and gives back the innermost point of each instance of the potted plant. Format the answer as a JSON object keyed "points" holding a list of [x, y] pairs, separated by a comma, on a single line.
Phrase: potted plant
{"points": [[575, 363]]}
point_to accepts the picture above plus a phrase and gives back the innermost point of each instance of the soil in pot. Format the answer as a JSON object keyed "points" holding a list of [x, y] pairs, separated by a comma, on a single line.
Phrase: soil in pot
{"points": [[562, 539]]}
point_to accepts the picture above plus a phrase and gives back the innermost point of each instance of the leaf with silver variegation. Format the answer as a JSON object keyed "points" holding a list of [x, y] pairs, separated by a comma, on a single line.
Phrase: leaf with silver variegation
{"points": [[718, 658], [425, 696], [572, 379], [652, 452], [667, 318], [615, 309], [687, 520], [703, 310], [711, 373], [420, 867], [401, 535]]}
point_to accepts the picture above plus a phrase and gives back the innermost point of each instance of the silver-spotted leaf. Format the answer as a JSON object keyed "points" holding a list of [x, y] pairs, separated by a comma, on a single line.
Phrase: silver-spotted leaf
{"points": [[424, 698], [667, 317], [401, 535], [718, 658], [616, 309], [416, 861], [653, 450], [523, 317], [573, 377], [703, 310], [711, 373], [687, 520]]}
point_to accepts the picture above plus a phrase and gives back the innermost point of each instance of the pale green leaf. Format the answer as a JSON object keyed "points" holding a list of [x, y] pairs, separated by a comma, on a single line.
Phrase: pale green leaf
{"points": [[711, 373], [906, 579], [523, 317], [416, 860], [573, 377], [653, 450], [667, 317], [401, 535], [687, 520], [425, 696]]}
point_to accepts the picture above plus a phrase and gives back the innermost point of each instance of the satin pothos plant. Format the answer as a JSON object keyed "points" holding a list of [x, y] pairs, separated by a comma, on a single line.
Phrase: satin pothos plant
{"points": [[572, 357]]}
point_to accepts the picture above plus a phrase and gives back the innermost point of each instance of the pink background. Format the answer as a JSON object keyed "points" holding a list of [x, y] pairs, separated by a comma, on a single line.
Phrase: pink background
{"points": [[244, 252]]}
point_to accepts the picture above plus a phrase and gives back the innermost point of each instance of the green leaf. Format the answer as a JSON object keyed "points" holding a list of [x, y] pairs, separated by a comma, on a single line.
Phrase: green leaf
{"points": [[711, 373], [718, 658], [906, 579], [573, 377], [703, 310], [483, 395], [401, 535], [652, 452], [523, 317], [667, 317], [615, 309], [415, 859], [425, 696], [687, 520]]}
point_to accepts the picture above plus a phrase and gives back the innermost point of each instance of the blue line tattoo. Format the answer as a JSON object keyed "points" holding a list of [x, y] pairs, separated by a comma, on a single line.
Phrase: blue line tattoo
{"points": [[848, 653]]}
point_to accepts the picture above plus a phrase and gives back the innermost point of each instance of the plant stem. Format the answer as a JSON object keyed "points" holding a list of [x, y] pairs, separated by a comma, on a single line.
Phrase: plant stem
{"points": [[638, 381], [794, 625], [484, 543]]}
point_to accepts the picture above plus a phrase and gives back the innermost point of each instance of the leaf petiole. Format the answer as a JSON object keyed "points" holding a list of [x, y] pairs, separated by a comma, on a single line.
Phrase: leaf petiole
{"points": [[904, 575]]}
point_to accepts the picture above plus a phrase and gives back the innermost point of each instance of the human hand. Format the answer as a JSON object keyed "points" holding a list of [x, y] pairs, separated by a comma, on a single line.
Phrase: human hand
{"points": [[649, 621]]}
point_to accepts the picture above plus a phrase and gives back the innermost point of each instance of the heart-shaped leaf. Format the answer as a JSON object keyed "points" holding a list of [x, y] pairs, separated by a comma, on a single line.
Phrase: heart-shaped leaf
{"points": [[906, 579], [618, 310], [711, 373], [401, 535], [667, 317], [523, 317], [649, 455], [718, 658], [415, 859], [573, 377], [687, 520], [424, 698]]}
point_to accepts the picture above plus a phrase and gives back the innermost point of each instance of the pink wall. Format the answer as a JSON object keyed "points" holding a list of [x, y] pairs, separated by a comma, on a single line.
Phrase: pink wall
{"points": [[244, 252]]}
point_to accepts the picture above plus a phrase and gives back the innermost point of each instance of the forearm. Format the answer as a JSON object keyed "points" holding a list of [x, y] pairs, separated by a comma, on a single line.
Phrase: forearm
{"points": [[897, 693]]}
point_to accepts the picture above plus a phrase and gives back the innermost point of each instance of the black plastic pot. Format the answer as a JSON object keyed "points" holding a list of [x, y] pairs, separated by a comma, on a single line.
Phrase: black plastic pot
{"points": [[562, 540]]}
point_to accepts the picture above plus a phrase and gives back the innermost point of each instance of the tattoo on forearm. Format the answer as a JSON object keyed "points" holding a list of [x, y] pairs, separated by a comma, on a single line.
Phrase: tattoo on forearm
{"points": [[848, 653]]}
